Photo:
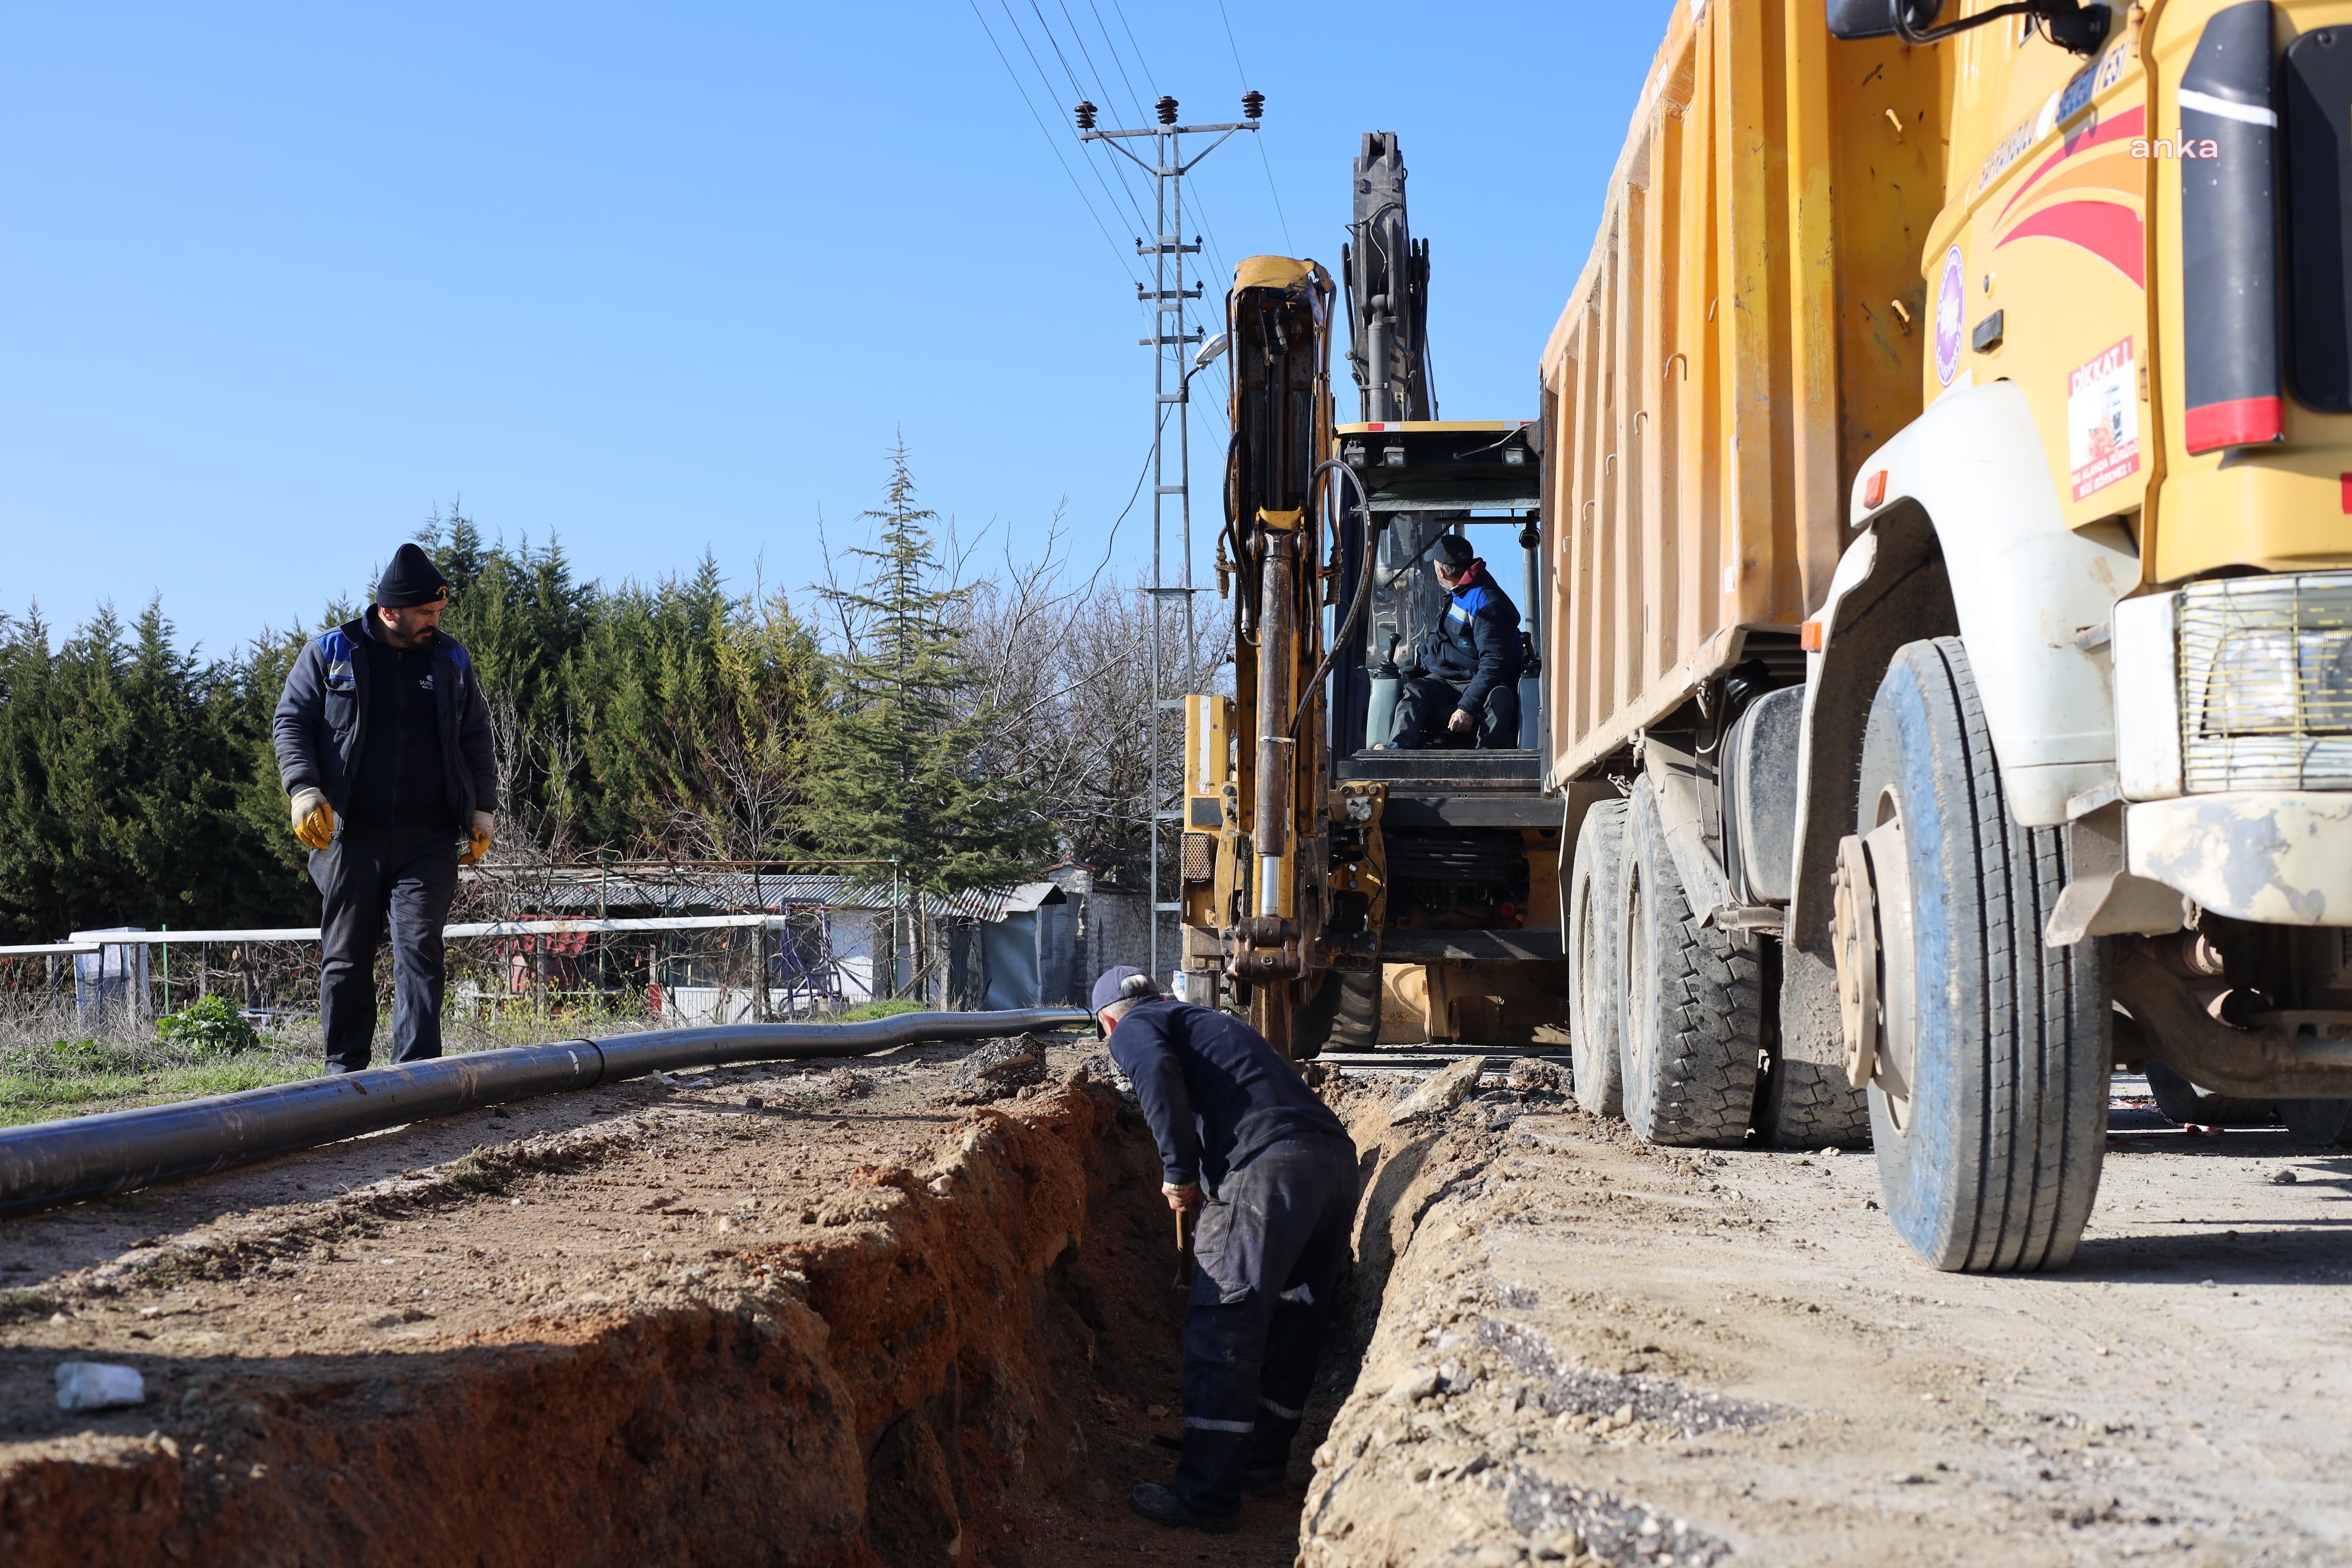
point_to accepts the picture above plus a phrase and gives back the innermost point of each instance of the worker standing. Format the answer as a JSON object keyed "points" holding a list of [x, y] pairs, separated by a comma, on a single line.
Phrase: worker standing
{"points": [[1469, 680], [383, 742], [1246, 1146]]}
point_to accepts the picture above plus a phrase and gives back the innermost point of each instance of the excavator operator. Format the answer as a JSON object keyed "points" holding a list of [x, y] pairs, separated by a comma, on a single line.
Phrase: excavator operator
{"points": [[1469, 665]]}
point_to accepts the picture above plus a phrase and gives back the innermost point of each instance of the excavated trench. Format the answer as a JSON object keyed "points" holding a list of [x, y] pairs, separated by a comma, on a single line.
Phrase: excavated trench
{"points": [[966, 1357]]}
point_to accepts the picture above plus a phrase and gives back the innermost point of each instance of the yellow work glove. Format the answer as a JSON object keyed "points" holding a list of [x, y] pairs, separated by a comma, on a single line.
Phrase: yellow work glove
{"points": [[478, 838], [314, 819]]}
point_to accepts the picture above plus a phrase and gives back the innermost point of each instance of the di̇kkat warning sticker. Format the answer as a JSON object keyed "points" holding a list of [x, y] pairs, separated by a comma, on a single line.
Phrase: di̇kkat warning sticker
{"points": [[2102, 420]]}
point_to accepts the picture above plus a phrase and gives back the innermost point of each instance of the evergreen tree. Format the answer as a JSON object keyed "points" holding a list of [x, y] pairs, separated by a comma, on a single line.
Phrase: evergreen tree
{"points": [[125, 769], [891, 775]]}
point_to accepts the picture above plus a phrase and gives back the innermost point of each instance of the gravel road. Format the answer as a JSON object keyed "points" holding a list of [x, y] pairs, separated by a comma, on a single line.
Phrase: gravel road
{"points": [[1593, 1350]]}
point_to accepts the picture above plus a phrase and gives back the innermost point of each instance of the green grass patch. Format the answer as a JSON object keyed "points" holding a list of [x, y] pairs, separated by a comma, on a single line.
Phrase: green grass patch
{"points": [[885, 1009], [16, 1306], [112, 1083]]}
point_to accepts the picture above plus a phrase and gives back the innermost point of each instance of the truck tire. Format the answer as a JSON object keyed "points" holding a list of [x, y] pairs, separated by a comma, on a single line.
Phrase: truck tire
{"points": [[1692, 1001], [1810, 1106], [2322, 1121], [1590, 922], [2182, 1102], [1989, 1105]]}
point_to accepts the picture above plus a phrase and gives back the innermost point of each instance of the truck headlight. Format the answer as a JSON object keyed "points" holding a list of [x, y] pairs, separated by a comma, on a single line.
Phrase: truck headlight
{"points": [[2266, 682], [2277, 683]]}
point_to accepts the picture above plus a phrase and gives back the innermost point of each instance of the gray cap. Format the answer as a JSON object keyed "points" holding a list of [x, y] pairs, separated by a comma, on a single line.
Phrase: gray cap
{"points": [[1124, 984]]}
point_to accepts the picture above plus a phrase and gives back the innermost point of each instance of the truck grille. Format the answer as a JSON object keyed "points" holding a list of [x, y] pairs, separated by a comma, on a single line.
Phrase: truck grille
{"points": [[2266, 683]]}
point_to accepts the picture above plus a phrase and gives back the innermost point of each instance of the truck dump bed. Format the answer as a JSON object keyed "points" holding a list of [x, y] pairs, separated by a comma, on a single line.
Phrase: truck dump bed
{"points": [[1731, 352]]}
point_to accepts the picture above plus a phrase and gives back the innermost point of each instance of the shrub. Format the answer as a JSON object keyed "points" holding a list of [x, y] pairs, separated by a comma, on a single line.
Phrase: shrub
{"points": [[210, 1026]]}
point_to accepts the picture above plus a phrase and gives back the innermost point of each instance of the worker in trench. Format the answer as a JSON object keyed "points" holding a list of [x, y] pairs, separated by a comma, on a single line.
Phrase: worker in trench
{"points": [[1468, 684], [1271, 1176], [383, 745]]}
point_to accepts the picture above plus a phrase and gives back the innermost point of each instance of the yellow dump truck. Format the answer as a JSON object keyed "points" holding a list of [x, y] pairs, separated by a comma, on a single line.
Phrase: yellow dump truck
{"points": [[1946, 473]]}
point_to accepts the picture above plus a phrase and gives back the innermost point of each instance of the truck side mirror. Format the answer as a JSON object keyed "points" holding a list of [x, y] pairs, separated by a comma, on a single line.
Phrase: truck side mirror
{"points": [[1851, 19]]}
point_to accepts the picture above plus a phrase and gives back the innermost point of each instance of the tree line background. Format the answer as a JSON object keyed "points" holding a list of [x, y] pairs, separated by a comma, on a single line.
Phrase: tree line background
{"points": [[979, 721]]}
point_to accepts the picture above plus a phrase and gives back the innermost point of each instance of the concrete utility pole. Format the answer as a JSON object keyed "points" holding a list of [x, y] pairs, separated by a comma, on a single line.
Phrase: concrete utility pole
{"points": [[1168, 296]]}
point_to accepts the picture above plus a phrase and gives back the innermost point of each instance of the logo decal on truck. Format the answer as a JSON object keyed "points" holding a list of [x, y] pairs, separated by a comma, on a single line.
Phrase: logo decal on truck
{"points": [[2102, 420], [1952, 302]]}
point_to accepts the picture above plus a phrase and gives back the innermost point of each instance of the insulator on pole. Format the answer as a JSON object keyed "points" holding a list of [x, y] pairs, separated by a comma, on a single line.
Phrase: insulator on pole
{"points": [[1167, 107], [1085, 115], [1253, 104]]}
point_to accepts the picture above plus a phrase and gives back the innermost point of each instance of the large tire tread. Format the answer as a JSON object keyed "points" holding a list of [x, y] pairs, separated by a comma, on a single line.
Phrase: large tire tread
{"points": [[1809, 1105], [2029, 1044], [1591, 924], [1691, 1027]]}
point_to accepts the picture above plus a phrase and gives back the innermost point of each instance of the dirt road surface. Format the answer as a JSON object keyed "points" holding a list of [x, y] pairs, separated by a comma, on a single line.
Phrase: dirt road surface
{"points": [[821, 1316], [1591, 1349], [825, 1316]]}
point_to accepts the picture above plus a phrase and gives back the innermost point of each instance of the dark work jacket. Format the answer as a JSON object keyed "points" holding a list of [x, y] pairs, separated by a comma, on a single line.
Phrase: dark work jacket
{"points": [[321, 723], [1215, 1093], [1477, 645], [398, 780]]}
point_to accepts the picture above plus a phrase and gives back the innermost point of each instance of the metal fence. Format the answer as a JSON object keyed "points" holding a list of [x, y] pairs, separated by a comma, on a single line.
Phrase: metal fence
{"points": [[683, 969]]}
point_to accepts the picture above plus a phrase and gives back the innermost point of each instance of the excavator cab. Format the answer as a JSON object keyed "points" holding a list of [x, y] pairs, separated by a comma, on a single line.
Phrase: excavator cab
{"points": [[1422, 480]]}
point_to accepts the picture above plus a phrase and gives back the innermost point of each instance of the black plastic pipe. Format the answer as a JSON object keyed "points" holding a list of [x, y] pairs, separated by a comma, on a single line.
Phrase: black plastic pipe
{"points": [[52, 1163]]}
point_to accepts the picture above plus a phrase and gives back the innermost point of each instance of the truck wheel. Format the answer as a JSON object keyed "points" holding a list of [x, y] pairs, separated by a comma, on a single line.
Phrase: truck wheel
{"points": [[1692, 997], [1591, 924], [1810, 1106], [2321, 1121], [2182, 1102], [1988, 1088]]}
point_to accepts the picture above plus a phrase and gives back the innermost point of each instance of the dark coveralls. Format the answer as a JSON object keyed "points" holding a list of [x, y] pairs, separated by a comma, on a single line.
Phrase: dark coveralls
{"points": [[1278, 1176], [399, 742], [1471, 662]]}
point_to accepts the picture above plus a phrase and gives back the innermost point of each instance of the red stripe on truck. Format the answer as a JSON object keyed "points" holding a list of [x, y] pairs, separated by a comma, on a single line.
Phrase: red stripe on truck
{"points": [[2241, 422]]}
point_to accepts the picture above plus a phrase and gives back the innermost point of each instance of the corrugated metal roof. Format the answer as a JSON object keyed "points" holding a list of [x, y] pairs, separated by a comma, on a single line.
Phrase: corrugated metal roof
{"points": [[584, 890]]}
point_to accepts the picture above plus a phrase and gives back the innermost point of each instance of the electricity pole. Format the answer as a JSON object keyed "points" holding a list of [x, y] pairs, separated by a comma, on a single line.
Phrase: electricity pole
{"points": [[1169, 297]]}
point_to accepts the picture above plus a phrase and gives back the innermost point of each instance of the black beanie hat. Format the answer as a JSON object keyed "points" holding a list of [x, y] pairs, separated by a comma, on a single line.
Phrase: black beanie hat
{"points": [[1456, 550], [411, 580]]}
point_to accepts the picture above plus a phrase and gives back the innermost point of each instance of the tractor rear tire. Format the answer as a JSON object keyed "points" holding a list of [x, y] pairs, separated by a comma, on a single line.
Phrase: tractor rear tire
{"points": [[1692, 1002], [1989, 1107], [1590, 922]]}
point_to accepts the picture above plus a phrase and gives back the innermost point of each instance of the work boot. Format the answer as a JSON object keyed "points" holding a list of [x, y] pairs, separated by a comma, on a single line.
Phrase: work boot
{"points": [[1271, 1481], [1161, 1506]]}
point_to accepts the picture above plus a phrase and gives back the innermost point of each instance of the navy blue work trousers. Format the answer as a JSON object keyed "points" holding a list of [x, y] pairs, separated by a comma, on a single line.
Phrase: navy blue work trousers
{"points": [[371, 877], [1425, 705], [1267, 1256]]}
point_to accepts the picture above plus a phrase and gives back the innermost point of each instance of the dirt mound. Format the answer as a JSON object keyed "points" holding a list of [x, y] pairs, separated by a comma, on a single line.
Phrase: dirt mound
{"points": [[998, 1068]]}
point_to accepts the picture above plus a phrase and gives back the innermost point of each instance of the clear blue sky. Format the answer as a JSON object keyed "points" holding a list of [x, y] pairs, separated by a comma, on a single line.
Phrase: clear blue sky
{"points": [[276, 281]]}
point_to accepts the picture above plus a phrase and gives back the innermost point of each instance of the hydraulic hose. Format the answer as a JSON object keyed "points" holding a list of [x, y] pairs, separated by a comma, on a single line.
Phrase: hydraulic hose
{"points": [[1373, 531], [52, 1163]]}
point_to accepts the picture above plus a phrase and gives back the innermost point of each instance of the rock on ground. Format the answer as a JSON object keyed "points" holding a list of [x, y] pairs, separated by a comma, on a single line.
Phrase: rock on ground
{"points": [[997, 1068]]}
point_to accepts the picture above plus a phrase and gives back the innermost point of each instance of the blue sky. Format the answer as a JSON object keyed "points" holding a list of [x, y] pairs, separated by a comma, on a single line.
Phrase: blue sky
{"points": [[277, 282]]}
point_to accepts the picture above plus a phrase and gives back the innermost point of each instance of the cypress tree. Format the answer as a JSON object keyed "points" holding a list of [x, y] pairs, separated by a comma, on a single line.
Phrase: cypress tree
{"points": [[891, 775]]}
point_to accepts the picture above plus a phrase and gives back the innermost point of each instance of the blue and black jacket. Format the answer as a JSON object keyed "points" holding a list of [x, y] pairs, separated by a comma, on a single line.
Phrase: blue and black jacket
{"points": [[321, 722], [1215, 1093], [1477, 645]]}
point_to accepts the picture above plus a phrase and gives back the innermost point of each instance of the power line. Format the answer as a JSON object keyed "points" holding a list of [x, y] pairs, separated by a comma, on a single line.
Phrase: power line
{"points": [[1055, 147], [1243, 71], [1117, 165], [1134, 98], [1047, 82]]}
